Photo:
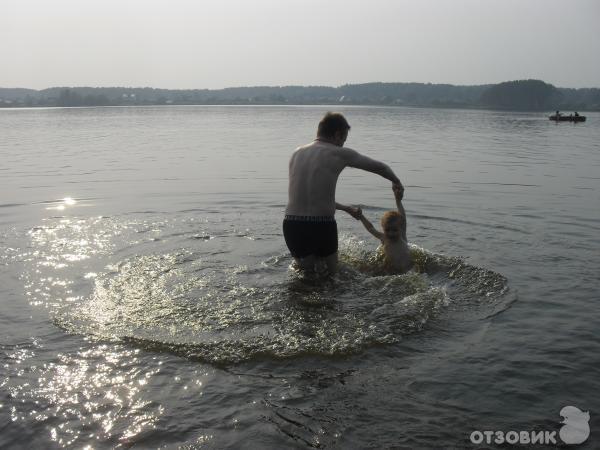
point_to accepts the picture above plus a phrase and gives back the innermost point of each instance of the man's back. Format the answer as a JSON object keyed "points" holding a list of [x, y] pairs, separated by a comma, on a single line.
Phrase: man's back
{"points": [[309, 226], [313, 174]]}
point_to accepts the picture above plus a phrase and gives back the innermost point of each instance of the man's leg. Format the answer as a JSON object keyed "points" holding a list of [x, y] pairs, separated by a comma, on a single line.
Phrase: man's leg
{"points": [[332, 263], [328, 245], [307, 263]]}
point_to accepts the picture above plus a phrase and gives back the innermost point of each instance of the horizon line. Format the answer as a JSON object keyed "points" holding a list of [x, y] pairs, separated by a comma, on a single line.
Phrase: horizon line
{"points": [[290, 85]]}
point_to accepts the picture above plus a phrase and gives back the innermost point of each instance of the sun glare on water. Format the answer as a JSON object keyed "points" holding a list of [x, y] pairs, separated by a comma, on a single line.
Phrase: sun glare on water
{"points": [[63, 203]]}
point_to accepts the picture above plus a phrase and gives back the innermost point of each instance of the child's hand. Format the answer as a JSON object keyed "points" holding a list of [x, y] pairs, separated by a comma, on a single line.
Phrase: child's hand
{"points": [[398, 190], [355, 212]]}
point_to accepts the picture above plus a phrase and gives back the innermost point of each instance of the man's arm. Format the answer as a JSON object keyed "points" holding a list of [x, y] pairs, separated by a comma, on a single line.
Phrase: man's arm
{"points": [[342, 207], [370, 228], [354, 159]]}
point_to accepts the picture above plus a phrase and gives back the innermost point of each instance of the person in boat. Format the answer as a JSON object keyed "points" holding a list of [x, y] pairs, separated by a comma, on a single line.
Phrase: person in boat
{"points": [[309, 227], [557, 114], [576, 114]]}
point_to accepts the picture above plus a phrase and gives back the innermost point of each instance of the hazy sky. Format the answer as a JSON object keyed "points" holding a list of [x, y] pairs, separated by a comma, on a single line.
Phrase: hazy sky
{"points": [[221, 43]]}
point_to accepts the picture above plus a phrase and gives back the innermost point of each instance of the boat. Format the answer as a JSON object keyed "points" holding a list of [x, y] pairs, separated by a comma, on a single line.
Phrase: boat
{"points": [[569, 118]]}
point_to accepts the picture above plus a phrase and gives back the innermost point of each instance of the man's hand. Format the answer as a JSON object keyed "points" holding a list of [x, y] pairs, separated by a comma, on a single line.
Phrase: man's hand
{"points": [[355, 212], [398, 190]]}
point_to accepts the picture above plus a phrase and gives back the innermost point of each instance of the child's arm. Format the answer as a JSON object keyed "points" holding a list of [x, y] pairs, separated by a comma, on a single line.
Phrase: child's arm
{"points": [[398, 195], [369, 226], [354, 212]]}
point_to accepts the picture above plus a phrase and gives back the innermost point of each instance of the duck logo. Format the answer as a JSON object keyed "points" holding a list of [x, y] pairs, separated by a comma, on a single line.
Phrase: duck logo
{"points": [[575, 429]]}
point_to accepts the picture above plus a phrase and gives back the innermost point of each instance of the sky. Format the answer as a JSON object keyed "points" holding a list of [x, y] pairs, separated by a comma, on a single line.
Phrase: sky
{"points": [[198, 44]]}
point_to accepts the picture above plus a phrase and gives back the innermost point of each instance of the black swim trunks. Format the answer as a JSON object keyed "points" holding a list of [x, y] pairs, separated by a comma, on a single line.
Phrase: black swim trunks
{"points": [[310, 235]]}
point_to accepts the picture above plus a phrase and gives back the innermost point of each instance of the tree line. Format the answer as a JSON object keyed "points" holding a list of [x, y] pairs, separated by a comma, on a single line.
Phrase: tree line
{"points": [[524, 95]]}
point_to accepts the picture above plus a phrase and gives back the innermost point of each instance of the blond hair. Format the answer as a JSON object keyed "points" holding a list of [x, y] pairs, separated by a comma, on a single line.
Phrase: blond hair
{"points": [[390, 216]]}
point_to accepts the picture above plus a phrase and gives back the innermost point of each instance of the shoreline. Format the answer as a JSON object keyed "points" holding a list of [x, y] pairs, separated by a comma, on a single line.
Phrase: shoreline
{"points": [[303, 105], [519, 95]]}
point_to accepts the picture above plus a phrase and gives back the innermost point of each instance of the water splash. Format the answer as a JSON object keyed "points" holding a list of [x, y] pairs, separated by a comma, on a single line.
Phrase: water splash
{"points": [[189, 302]]}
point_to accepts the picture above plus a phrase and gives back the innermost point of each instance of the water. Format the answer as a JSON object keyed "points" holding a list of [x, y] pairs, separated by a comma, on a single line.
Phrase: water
{"points": [[147, 298]]}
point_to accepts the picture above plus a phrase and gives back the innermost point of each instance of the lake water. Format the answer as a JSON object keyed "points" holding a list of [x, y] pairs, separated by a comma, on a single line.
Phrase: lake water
{"points": [[146, 297]]}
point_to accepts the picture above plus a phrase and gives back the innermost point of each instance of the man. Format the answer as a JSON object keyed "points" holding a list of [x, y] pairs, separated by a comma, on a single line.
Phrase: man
{"points": [[309, 226]]}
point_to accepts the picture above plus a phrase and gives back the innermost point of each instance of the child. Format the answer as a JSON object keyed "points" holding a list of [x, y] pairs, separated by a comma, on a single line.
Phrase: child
{"points": [[395, 245]]}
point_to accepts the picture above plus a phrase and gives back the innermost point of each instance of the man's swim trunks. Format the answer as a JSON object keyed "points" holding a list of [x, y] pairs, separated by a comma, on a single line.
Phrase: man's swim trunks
{"points": [[310, 235]]}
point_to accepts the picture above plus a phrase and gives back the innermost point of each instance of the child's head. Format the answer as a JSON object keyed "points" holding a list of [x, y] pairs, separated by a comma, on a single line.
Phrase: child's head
{"points": [[391, 223]]}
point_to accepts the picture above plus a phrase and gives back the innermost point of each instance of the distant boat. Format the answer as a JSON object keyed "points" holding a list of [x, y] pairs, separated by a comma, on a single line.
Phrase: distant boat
{"points": [[569, 118]]}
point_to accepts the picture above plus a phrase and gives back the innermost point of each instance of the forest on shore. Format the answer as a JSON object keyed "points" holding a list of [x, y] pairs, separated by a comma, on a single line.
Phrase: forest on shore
{"points": [[520, 95]]}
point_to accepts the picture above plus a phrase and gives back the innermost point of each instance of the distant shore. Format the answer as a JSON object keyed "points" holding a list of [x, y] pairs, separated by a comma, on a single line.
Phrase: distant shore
{"points": [[521, 95]]}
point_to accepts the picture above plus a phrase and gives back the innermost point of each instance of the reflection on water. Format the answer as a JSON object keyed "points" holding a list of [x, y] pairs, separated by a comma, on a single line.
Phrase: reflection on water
{"points": [[62, 204], [84, 396]]}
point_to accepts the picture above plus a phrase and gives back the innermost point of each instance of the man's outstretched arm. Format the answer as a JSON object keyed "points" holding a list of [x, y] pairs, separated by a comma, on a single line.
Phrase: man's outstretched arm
{"points": [[342, 207], [354, 159]]}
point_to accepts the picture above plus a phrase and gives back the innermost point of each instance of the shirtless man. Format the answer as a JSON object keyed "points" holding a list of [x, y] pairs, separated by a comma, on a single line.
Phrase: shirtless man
{"points": [[309, 226]]}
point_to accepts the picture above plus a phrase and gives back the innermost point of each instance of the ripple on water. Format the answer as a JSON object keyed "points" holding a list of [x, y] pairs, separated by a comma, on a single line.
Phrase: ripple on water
{"points": [[171, 302], [186, 302]]}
